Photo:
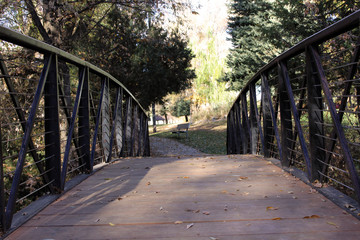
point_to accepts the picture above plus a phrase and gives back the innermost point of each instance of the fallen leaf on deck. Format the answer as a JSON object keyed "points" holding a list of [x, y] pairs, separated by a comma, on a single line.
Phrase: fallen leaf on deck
{"points": [[186, 177], [111, 224], [178, 222], [107, 179], [97, 220], [148, 183], [276, 218], [331, 223], [290, 192], [242, 178], [161, 208], [312, 216], [206, 213], [189, 225], [212, 238], [272, 208]]}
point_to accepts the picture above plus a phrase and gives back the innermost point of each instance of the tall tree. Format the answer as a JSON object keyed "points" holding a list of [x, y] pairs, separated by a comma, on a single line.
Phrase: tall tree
{"points": [[262, 29]]}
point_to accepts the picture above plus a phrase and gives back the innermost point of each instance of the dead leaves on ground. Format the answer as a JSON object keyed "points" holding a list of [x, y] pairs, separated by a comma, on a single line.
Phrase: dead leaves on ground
{"points": [[271, 208]]}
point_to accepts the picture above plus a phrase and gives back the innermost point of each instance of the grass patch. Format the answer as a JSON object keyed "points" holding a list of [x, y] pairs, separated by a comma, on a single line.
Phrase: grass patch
{"points": [[207, 137]]}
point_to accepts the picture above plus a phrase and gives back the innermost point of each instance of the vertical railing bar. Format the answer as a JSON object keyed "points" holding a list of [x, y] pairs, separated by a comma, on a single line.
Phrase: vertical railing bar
{"points": [[339, 130], [114, 124], [84, 124], [285, 116], [2, 188], [299, 105], [71, 128], [65, 107], [98, 116], [246, 122], [235, 141], [10, 208], [296, 117], [52, 126], [240, 129], [344, 100], [105, 120], [141, 128], [119, 124], [273, 115], [253, 121], [124, 148], [315, 118], [253, 98], [22, 119]]}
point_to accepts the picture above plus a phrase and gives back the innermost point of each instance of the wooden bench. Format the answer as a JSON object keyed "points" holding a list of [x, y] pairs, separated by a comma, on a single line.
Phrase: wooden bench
{"points": [[182, 128]]}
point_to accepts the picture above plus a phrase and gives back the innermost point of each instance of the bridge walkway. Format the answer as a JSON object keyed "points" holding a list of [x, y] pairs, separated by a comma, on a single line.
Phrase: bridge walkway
{"points": [[193, 197]]}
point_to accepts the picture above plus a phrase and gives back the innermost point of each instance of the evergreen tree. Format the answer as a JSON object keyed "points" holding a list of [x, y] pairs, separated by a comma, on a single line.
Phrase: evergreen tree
{"points": [[262, 29]]}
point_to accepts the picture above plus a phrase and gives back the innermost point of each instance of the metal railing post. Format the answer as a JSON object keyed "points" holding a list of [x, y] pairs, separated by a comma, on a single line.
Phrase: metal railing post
{"points": [[84, 122], [286, 123], [316, 119], [52, 128], [2, 189]]}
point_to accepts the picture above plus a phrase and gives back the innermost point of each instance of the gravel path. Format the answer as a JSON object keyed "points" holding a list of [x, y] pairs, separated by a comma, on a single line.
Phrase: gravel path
{"points": [[168, 147]]}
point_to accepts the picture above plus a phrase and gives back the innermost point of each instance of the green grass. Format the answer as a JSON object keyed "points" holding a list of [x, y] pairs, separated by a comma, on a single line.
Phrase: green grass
{"points": [[209, 138]]}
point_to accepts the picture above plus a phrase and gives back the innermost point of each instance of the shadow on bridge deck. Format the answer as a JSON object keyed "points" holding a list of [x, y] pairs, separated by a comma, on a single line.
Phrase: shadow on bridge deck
{"points": [[200, 197]]}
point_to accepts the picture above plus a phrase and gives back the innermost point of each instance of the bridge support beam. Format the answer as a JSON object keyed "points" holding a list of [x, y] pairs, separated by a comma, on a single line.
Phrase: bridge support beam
{"points": [[52, 129], [84, 122], [316, 119]]}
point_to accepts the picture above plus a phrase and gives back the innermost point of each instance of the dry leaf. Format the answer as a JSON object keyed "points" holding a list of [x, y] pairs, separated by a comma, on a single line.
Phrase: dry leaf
{"points": [[97, 220], [242, 178], [178, 222], [331, 223], [278, 218], [148, 183], [189, 225], [312, 216], [206, 213], [271, 208], [186, 177], [111, 224], [212, 238], [290, 192]]}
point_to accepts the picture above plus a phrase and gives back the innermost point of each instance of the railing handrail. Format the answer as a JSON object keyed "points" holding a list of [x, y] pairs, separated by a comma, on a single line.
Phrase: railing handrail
{"points": [[14, 37], [309, 107], [327, 33]]}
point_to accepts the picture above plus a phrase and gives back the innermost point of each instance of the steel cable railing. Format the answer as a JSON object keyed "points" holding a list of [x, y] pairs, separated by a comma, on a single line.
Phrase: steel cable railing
{"points": [[60, 116], [305, 108]]}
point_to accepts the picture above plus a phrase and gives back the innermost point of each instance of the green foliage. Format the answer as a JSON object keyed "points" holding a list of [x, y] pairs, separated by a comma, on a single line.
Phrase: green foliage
{"points": [[181, 108], [209, 94], [260, 30]]}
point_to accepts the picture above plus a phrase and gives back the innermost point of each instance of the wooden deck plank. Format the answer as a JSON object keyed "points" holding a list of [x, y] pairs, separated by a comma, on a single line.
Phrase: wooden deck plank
{"points": [[224, 197]]}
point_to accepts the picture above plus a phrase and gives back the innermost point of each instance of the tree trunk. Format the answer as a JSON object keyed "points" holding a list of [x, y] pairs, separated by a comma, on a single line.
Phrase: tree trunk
{"points": [[166, 119], [154, 118]]}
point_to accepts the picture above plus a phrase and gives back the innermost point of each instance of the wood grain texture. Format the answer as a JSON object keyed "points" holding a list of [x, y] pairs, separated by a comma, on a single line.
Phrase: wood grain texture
{"points": [[224, 197]]}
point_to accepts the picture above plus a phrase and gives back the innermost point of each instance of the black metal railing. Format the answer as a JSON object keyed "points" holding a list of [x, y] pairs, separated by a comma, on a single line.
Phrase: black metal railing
{"points": [[60, 116], [304, 108]]}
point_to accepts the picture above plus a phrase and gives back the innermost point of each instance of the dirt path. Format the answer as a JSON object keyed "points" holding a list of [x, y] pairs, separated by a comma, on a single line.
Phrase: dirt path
{"points": [[168, 147]]}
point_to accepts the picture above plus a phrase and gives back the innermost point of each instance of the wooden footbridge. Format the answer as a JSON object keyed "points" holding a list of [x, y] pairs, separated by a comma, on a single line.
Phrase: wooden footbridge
{"points": [[212, 197], [73, 135]]}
